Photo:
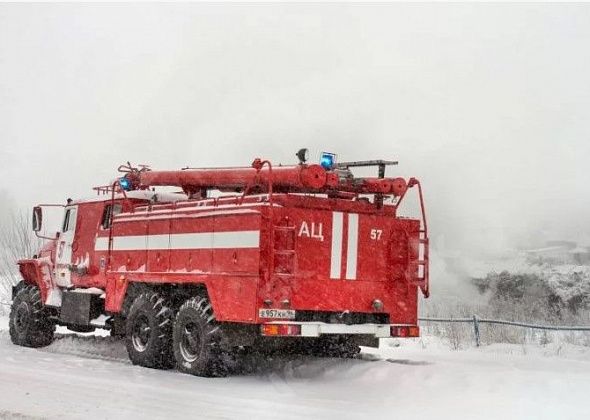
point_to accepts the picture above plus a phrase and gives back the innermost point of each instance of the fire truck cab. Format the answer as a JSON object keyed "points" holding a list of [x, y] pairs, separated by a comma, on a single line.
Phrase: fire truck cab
{"points": [[304, 257]]}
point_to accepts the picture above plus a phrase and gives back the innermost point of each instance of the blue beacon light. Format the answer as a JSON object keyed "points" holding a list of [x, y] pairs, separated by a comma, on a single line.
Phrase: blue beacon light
{"points": [[125, 184], [328, 160]]}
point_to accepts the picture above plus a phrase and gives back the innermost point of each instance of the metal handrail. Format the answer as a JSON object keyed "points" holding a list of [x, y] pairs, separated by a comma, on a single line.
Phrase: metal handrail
{"points": [[512, 323], [475, 320]]}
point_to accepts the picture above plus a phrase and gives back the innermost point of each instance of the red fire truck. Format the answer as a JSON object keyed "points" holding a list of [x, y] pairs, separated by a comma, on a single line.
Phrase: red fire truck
{"points": [[306, 257]]}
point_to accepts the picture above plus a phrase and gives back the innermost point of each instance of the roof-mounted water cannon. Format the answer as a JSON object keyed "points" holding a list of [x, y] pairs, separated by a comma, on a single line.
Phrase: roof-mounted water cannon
{"points": [[328, 176], [302, 177]]}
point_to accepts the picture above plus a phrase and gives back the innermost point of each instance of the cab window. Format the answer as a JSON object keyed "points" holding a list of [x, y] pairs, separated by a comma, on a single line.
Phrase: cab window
{"points": [[108, 213], [68, 222]]}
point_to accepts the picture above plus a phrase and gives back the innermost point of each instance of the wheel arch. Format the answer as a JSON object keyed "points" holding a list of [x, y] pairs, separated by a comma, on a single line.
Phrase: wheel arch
{"points": [[127, 293], [35, 272]]}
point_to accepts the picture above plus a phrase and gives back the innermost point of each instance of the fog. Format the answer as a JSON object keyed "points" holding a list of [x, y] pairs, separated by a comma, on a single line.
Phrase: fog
{"points": [[488, 104]]}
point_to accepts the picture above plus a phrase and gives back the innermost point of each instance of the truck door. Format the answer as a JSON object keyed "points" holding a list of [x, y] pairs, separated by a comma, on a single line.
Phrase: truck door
{"points": [[65, 243]]}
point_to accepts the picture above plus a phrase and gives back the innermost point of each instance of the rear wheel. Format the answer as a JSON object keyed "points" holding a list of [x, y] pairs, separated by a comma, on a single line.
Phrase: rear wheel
{"points": [[149, 332], [197, 340], [29, 324]]}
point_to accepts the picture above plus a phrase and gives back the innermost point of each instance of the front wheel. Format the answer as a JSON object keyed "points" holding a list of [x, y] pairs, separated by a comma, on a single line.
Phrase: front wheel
{"points": [[197, 340], [29, 324]]}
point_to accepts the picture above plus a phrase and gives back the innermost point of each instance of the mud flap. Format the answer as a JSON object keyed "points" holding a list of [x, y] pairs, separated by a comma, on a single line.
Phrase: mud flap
{"points": [[79, 308]]}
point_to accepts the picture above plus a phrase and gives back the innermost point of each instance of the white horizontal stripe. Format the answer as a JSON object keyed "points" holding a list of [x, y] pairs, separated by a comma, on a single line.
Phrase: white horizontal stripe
{"points": [[153, 242], [183, 215], [204, 240], [244, 239], [101, 244], [143, 211], [125, 243], [191, 240]]}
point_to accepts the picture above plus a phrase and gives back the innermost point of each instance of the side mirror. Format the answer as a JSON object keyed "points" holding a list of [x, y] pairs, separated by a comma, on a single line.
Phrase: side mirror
{"points": [[37, 218]]}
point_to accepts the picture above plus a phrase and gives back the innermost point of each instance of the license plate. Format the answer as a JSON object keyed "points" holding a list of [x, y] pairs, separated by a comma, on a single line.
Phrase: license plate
{"points": [[276, 313]]}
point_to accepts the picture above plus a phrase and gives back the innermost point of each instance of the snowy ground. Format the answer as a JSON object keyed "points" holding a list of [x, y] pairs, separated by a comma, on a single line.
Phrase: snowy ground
{"points": [[90, 377]]}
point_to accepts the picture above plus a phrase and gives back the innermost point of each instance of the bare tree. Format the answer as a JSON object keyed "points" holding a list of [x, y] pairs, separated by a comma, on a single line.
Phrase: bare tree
{"points": [[17, 241]]}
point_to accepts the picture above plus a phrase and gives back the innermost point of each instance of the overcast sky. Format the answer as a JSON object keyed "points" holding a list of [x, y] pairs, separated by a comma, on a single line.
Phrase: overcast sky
{"points": [[487, 104]]}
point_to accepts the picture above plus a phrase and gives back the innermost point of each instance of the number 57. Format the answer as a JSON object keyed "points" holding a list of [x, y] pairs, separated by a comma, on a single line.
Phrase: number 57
{"points": [[376, 234]]}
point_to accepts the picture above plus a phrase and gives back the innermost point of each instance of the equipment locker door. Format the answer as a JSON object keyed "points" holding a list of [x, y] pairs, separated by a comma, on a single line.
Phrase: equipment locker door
{"points": [[65, 244]]}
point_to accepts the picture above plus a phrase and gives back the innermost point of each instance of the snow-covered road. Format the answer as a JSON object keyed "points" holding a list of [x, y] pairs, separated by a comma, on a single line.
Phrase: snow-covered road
{"points": [[90, 377]]}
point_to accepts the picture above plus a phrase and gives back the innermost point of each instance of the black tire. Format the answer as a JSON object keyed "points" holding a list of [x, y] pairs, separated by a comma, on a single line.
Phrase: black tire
{"points": [[29, 324], [148, 331], [197, 340]]}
